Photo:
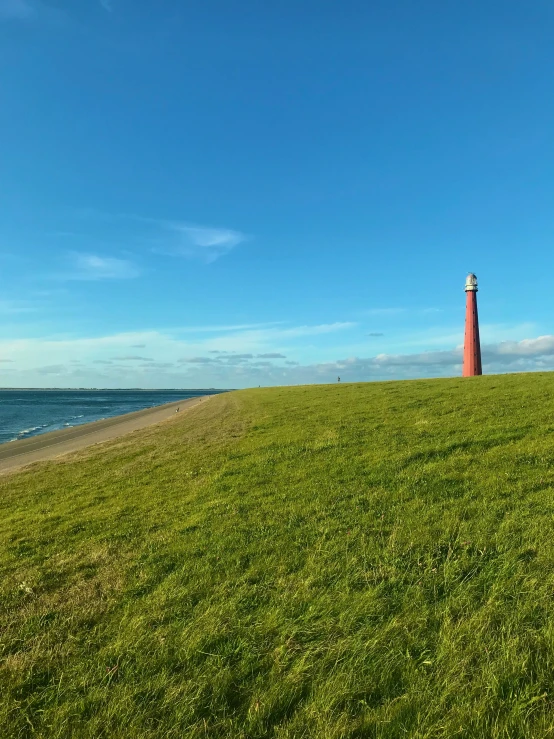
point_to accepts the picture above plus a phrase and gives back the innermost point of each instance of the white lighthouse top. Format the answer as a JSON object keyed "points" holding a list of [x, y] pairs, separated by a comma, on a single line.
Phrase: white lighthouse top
{"points": [[471, 282]]}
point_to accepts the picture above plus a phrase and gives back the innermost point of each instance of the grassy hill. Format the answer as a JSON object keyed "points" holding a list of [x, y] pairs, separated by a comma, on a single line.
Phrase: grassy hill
{"points": [[371, 560]]}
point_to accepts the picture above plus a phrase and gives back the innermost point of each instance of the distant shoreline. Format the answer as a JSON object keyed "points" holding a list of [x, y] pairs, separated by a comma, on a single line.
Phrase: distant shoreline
{"points": [[16, 454], [120, 389]]}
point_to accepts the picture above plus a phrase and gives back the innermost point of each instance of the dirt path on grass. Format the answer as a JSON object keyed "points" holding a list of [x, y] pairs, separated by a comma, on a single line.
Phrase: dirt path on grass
{"points": [[17, 454]]}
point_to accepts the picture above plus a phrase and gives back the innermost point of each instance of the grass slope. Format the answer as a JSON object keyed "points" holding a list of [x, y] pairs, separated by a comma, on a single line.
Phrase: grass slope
{"points": [[372, 560]]}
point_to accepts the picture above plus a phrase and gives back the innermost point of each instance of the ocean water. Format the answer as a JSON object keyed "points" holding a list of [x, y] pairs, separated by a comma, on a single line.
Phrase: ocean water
{"points": [[25, 413]]}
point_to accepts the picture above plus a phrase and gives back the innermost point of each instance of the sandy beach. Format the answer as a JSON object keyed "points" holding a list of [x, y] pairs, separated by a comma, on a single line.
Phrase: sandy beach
{"points": [[17, 454]]}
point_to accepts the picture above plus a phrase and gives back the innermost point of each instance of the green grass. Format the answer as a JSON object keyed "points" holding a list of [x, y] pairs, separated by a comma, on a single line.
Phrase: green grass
{"points": [[371, 560]]}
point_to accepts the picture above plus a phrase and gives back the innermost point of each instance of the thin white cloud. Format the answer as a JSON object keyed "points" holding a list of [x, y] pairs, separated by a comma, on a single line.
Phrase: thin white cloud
{"points": [[322, 328], [169, 237], [268, 338], [133, 359], [225, 329], [198, 242], [107, 5], [208, 238], [391, 312], [384, 311], [270, 332], [95, 267], [16, 306]]}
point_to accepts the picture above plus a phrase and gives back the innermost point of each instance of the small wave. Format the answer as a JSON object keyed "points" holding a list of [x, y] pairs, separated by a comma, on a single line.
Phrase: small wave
{"points": [[29, 431]]}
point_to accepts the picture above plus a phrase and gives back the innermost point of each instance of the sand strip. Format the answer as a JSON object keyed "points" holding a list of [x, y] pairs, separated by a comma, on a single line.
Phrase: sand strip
{"points": [[47, 446]]}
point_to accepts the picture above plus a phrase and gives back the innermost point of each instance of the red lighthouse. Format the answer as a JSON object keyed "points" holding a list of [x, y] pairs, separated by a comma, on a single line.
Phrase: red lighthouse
{"points": [[472, 345]]}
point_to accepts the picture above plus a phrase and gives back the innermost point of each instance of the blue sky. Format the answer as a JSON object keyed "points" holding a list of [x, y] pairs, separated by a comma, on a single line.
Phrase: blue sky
{"points": [[240, 193]]}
